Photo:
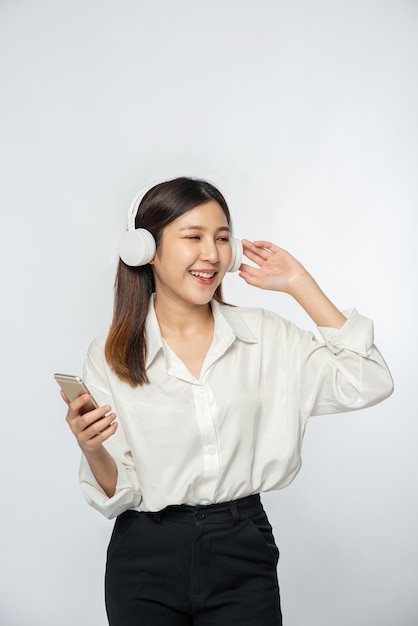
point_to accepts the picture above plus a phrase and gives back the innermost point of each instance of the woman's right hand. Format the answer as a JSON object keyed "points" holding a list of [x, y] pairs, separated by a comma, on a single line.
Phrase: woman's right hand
{"points": [[90, 429]]}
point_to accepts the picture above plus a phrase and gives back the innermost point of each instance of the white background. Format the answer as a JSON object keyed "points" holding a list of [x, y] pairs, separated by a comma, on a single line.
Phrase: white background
{"points": [[304, 114]]}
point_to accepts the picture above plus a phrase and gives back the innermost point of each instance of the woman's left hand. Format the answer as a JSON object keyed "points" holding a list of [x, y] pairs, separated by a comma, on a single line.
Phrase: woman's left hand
{"points": [[277, 270]]}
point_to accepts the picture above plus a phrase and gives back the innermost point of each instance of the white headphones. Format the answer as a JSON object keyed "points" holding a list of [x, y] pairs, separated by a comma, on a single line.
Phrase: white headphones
{"points": [[137, 245]]}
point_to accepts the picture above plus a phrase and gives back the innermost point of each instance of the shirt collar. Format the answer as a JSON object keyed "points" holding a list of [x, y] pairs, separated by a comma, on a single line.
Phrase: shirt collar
{"points": [[227, 321], [152, 333], [231, 315]]}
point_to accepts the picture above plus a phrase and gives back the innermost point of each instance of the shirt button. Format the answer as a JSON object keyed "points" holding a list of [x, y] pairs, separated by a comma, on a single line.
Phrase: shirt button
{"points": [[211, 449], [202, 389]]}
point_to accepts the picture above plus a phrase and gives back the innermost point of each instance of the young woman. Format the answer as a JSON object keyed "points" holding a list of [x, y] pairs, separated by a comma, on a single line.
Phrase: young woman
{"points": [[204, 406]]}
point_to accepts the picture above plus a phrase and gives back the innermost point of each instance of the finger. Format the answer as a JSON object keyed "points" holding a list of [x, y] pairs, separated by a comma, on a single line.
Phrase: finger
{"points": [[98, 426], [88, 417], [258, 256], [257, 248], [91, 439], [248, 269], [86, 420], [267, 245], [75, 406], [105, 434], [96, 441], [84, 429], [78, 403], [251, 275]]}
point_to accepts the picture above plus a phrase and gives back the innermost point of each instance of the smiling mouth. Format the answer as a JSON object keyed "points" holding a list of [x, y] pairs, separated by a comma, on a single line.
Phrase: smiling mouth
{"points": [[204, 275]]}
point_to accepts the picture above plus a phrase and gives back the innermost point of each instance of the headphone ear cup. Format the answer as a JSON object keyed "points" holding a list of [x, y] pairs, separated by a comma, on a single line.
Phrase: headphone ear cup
{"points": [[237, 253], [137, 247]]}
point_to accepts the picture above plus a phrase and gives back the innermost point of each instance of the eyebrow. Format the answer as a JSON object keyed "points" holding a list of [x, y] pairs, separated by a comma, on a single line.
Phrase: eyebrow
{"points": [[203, 228]]}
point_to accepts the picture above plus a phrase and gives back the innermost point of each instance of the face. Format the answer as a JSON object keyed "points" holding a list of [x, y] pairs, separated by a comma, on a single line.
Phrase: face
{"points": [[193, 256]]}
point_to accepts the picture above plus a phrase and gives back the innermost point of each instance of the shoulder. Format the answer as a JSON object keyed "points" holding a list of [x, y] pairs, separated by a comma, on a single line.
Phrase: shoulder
{"points": [[96, 369], [262, 323], [96, 348]]}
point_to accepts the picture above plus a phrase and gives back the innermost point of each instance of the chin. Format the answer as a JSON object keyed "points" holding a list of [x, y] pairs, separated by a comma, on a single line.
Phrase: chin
{"points": [[202, 300]]}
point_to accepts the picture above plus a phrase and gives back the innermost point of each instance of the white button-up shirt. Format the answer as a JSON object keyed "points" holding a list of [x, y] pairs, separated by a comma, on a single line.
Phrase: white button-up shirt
{"points": [[237, 430]]}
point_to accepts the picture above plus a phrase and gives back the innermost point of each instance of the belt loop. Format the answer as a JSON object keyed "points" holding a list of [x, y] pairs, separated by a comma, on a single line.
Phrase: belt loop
{"points": [[156, 517], [235, 514]]}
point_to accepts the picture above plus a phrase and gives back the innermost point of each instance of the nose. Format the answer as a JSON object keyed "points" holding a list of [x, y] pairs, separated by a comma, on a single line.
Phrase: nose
{"points": [[209, 251]]}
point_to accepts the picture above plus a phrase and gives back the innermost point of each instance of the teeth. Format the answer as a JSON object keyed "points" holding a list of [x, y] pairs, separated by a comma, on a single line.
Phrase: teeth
{"points": [[204, 275]]}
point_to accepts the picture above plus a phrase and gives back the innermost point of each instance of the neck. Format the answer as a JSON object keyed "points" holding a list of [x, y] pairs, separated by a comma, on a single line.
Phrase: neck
{"points": [[174, 319]]}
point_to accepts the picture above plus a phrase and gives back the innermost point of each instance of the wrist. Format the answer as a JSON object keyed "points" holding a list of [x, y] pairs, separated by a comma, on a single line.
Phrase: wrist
{"points": [[300, 285], [92, 453], [306, 291]]}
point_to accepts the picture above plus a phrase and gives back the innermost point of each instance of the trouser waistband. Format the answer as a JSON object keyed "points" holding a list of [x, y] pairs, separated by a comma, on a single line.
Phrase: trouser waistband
{"points": [[221, 513]]}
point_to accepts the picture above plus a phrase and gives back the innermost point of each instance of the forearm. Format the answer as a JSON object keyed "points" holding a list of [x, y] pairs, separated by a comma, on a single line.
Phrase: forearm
{"points": [[317, 305], [104, 469]]}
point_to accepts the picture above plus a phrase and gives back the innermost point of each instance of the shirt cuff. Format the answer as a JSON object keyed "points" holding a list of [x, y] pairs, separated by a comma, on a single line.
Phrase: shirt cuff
{"points": [[355, 335], [124, 498]]}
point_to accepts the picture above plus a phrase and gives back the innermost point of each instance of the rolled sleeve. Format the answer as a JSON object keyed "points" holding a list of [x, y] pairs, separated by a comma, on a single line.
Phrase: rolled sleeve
{"points": [[355, 335], [126, 494], [346, 372]]}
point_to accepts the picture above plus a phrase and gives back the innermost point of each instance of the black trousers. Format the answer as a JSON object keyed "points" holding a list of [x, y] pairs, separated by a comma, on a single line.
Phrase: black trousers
{"points": [[194, 566]]}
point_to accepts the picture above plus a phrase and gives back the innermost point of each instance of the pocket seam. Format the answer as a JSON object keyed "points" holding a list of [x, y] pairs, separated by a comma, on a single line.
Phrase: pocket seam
{"points": [[274, 555], [116, 540]]}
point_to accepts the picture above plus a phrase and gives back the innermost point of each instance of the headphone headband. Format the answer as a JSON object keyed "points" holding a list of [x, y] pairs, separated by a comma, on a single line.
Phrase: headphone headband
{"points": [[137, 245], [134, 206]]}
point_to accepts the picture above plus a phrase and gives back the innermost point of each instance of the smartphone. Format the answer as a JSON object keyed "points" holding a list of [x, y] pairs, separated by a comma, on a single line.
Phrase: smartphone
{"points": [[73, 387]]}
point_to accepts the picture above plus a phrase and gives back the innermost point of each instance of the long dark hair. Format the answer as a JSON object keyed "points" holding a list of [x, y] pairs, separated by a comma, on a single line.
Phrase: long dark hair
{"points": [[126, 347]]}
